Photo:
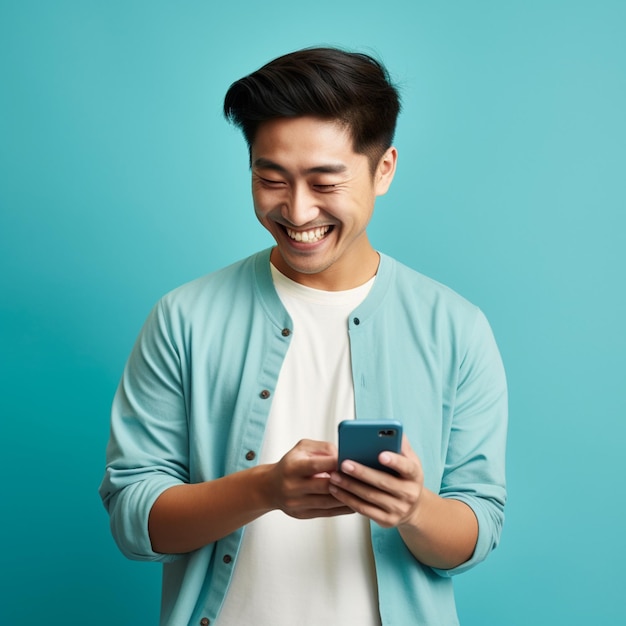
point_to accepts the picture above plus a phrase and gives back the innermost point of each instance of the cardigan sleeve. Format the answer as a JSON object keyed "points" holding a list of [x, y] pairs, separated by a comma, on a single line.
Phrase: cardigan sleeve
{"points": [[475, 462], [148, 447]]}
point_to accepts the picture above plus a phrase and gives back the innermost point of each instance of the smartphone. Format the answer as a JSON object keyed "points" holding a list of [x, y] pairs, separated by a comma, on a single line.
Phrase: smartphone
{"points": [[363, 440]]}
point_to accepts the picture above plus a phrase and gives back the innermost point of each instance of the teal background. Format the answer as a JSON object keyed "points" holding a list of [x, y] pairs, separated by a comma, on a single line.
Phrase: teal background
{"points": [[119, 180]]}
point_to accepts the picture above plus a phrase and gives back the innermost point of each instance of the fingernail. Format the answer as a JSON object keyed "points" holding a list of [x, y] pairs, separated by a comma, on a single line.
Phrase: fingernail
{"points": [[347, 467], [385, 458]]}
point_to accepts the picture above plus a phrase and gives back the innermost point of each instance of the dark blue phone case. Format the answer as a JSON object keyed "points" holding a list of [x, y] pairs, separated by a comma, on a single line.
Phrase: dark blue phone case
{"points": [[363, 440]]}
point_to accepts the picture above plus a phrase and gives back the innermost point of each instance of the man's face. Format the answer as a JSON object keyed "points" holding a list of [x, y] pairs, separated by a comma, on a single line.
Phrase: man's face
{"points": [[315, 195]]}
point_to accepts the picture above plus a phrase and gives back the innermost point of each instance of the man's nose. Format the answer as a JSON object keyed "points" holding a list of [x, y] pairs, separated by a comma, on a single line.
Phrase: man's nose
{"points": [[300, 207]]}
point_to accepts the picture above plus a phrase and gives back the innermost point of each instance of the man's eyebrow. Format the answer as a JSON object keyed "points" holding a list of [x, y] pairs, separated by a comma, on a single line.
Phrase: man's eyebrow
{"points": [[331, 168], [266, 164]]}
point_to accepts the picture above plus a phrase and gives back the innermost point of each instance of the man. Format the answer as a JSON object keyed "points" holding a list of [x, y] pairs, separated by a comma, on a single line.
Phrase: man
{"points": [[222, 463]]}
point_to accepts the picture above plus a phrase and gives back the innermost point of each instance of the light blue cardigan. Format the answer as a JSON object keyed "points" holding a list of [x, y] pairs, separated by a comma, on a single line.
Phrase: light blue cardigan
{"points": [[196, 392]]}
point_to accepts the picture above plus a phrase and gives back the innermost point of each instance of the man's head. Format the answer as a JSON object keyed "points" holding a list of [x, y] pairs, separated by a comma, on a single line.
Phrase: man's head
{"points": [[319, 125], [350, 88]]}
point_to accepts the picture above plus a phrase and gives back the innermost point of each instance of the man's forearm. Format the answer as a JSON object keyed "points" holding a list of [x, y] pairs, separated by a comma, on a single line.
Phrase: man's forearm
{"points": [[188, 517], [442, 533]]}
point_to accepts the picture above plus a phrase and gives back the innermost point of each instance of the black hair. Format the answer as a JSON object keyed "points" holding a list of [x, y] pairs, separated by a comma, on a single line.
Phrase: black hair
{"points": [[350, 87]]}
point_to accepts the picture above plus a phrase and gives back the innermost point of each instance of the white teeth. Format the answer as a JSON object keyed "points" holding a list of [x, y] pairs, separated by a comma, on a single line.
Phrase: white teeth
{"points": [[308, 236]]}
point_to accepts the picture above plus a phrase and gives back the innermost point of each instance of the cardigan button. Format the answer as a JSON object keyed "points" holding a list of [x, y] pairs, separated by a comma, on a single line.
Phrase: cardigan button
{"points": [[285, 332], [265, 394], [250, 455], [227, 558], [356, 321], [205, 621]]}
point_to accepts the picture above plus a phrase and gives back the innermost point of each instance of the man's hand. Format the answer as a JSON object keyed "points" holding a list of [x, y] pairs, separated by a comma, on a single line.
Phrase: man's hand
{"points": [[299, 483], [188, 516], [440, 532], [388, 500]]}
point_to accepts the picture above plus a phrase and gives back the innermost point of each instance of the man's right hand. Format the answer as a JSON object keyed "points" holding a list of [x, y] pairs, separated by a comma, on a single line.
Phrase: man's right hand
{"points": [[299, 482], [188, 516]]}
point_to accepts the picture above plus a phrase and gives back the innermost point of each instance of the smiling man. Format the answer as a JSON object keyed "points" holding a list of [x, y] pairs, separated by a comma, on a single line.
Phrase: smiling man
{"points": [[316, 196], [222, 461]]}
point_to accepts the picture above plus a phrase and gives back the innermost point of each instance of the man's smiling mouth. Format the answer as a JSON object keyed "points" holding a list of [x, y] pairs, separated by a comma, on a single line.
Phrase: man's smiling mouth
{"points": [[308, 236]]}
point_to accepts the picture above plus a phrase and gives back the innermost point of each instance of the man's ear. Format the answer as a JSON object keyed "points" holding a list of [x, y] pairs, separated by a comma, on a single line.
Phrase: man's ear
{"points": [[385, 171]]}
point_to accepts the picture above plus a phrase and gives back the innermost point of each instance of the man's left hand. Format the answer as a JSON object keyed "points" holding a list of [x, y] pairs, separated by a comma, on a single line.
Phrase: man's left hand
{"points": [[387, 499]]}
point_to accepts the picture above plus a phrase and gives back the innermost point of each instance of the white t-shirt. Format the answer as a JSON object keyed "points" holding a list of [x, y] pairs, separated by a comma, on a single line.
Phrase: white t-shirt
{"points": [[320, 571]]}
